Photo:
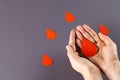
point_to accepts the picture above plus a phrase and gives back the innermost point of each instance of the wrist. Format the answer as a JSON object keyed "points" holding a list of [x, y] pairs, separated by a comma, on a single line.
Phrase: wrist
{"points": [[93, 75], [113, 71]]}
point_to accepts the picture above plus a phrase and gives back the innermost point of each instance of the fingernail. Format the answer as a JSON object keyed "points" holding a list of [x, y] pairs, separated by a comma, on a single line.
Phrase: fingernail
{"points": [[66, 46], [78, 26], [101, 34], [84, 25]]}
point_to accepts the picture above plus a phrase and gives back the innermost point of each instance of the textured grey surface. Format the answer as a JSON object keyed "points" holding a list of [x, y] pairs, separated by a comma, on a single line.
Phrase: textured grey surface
{"points": [[23, 41]]}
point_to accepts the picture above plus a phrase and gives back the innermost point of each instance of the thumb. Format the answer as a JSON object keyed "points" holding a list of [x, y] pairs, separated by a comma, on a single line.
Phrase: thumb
{"points": [[69, 49], [105, 38], [69, 52], [72, 55]]}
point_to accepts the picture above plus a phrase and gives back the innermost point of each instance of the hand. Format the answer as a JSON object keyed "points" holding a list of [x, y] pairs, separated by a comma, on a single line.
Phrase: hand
{"points": [[80, 64], [107, 57]]}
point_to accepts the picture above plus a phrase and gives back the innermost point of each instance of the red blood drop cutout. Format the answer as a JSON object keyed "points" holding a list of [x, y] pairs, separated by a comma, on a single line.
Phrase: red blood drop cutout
{"points": [[88, 48], [69, 17], [46, 60], [50, 34], [104, 29]]}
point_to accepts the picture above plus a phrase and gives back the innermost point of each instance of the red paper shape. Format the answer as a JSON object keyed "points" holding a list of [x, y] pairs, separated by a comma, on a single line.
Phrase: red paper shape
{"points": [[104, 29], [46, 60], [50, 34], [69, 17], [88, 48]]}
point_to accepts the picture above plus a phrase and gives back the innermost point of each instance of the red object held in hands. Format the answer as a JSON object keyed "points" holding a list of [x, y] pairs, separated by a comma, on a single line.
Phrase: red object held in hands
{"points": [[104, 29], [88, 48]]}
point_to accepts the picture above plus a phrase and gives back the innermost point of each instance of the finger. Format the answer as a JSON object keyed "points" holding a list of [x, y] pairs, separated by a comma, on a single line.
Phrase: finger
{"points": [[84, 33], [78, 41], [69, 49], [73, 57], [105, 39], [91, 32], [70, 53], [72, 39], [79, 35]]}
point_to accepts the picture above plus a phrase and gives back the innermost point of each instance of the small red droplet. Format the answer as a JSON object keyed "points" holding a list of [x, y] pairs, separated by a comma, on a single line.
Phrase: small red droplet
{"points": [[46, 60], [69, 17], [104, 29], [88, 48], [50, 34]]}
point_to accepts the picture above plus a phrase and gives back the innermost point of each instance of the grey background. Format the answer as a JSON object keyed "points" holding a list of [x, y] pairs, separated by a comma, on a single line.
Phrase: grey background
{"points": [[22, 35]]}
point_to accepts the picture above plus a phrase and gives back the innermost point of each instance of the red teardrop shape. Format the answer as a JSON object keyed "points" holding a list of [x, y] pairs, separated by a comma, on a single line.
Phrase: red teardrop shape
{"points": [[50, 34], [88, 48], [46, 60], [69, 17], [104, 29]]}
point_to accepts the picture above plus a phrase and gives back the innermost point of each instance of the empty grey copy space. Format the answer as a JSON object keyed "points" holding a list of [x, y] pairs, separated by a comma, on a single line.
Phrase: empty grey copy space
{"points": [[23, 41]]}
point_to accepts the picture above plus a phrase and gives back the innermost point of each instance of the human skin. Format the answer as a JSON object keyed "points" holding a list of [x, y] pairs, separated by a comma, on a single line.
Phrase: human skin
{"points": [[88, 70], [107, 56]]}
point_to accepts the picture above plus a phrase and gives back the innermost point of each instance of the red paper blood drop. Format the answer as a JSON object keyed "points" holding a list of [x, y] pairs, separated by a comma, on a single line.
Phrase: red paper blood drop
{"points": [[69, 17], [88, 48], [50, 34], [46, 60], [104, 29]]}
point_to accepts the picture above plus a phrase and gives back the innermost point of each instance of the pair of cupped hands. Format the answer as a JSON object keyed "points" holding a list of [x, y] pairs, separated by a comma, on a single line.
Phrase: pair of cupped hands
{"points": [[106, 59]]}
